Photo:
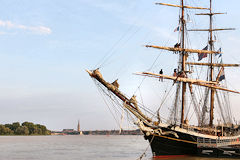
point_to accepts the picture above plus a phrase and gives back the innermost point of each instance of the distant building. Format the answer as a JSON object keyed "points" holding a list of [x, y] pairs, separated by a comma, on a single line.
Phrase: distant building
{"points": [[68, 130], [78, 128]]}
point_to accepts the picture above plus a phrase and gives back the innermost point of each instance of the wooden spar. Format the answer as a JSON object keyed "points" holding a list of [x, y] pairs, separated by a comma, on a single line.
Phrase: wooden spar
{"points": [[102, 81], [187, 80], [209, 30], [180, 79], [184, 49], [219, 74], [173, 5], [213, 64], [128, 104], [219, 88], [208, 14]]}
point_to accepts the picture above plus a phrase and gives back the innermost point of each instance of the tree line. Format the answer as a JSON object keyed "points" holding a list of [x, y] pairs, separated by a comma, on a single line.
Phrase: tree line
{"points": [[26, 128]]}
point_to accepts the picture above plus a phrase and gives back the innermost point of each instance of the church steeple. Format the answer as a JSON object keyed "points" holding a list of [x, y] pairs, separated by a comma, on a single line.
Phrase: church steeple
{"points": [[78, 126]]}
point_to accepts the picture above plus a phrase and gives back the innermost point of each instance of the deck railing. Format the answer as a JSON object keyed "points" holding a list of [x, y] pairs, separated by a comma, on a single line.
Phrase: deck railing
{"points": [[219, 142]]}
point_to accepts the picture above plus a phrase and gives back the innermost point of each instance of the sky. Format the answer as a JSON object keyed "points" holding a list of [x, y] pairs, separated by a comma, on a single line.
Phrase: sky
{"points": [[46, 45]]}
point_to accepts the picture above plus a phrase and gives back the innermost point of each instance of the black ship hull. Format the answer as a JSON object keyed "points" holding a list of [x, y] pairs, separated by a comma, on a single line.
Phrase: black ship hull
{"points": [[185, 145], [162, 145], [170, 145]]}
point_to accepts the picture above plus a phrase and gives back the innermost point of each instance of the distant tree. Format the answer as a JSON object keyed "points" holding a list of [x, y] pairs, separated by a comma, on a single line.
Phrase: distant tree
{"points": [[43, 129], [22, 130], [30, 127], [5, 130], [27, 128], [15, 125], [39, 131], [9, 126], [36, 129]]}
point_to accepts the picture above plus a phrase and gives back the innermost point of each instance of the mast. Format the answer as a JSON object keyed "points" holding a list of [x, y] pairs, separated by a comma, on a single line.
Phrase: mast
{"points": [[212, 64], [183, 61], [211, 67], [181, 50]]}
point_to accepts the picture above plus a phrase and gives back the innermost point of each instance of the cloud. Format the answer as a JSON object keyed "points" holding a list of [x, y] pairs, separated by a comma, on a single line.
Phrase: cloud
{"points": [[34, 29]]}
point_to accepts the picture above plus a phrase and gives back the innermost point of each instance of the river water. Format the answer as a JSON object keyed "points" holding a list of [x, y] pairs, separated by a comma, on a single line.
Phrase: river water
{"points": [[76, 148]]}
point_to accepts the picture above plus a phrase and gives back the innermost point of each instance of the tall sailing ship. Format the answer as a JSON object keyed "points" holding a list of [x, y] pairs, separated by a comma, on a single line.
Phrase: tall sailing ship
{"points": [[177, 136]]}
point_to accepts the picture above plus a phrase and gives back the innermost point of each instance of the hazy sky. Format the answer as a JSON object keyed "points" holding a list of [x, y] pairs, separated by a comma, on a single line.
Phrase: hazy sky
{"points": [[46, 45]]}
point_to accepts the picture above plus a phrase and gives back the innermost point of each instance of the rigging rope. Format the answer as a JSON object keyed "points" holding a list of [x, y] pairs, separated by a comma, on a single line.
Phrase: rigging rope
{"points": [[221, 108], [98, 88], [196, 107], [173, 115], [113, 49], [144, 153]]}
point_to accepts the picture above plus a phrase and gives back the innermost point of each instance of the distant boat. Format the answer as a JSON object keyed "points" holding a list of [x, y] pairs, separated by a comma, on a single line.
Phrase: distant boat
{"points": [[176, 136]]}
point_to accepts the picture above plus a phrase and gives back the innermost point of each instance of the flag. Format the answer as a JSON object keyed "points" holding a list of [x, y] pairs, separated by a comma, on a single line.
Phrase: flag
{"points": [[177, 29], [219, 54], [222, 76], [221, 61], [205, 48], [202, 55]]}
